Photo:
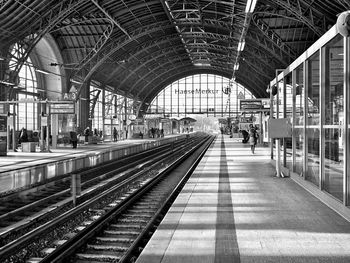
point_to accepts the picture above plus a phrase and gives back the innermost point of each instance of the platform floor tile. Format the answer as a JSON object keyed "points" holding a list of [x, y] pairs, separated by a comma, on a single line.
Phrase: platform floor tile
{"points": [[233, 209]]}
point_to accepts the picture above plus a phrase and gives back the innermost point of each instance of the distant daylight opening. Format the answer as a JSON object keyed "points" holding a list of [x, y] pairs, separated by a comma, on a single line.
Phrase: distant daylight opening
{"points": [[207, 94]]}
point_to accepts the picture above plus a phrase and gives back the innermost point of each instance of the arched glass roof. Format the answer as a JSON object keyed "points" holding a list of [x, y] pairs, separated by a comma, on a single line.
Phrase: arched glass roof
{"points": [[208, 94]]}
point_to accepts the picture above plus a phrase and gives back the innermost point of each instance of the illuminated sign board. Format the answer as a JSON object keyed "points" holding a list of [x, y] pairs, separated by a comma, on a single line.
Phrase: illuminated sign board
{"points": [[250, 104], [62, 108]]}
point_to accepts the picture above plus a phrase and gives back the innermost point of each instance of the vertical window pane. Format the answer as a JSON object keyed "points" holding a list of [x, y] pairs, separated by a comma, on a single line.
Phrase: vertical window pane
{"points": [[313, 120], [299, 120], [199, 94], [289, 115], [334, 114]]}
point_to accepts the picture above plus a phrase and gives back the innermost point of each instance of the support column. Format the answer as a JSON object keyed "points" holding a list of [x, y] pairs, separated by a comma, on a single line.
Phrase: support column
{"points": [[84, 107], [347, 121]]}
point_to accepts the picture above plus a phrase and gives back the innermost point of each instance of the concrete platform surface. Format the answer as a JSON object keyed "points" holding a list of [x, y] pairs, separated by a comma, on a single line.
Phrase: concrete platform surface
{"points": [[233, 209], [21, 159]]}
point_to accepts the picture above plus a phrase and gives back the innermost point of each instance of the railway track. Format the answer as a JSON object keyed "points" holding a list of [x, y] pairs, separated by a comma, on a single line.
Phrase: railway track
{"points": [[119, 234], [28, 208], [8, 252]]}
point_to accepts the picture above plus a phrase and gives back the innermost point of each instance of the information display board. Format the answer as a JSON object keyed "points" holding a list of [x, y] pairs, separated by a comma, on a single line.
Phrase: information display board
{"points": [[62, 108]]}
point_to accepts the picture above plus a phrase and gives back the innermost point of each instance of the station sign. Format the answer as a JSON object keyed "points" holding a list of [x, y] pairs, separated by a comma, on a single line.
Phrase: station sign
{"points": [[222, 120], [250, 104], [139, 121], [62, 108], [69, 96]]}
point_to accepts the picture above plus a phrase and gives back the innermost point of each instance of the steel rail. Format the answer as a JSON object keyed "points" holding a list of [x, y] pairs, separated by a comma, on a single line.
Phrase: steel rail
{"points": [[60, 253], [15, 245], [128, 255]]}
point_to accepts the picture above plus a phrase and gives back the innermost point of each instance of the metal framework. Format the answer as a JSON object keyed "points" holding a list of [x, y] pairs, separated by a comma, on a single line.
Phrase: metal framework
{"points": [[137, 47]]}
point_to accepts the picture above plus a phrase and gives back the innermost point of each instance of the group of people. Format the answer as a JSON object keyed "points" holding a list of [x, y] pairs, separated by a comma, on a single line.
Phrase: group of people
{"points": [[74, 136], [156, 133], [250, 136]]}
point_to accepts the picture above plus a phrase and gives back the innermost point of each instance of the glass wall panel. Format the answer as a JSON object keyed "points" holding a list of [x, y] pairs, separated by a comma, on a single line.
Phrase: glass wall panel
{"points": [[27, 116], [313, 120], [334, 117], [299, 120], [288, 102], [204, 93]]}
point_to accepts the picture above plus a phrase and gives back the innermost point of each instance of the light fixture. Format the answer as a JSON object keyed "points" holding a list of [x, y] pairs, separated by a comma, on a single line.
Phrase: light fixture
{"points": [[42, 71], [236, 66], [250, 6], [75, 81], [241, 45], [198, 64]]}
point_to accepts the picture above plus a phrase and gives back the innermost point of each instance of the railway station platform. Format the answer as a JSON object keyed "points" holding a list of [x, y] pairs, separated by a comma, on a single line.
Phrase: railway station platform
{"points": [[22, 169], [234, 209]]}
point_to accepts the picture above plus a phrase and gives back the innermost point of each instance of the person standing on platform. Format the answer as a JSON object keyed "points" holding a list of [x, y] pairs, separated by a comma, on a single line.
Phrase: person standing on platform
{"points": [[115, 134], [86, 134], [23, 136], [73, 139], [252, 137]]}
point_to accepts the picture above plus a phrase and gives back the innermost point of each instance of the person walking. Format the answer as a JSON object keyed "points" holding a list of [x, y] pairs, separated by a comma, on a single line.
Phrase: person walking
{"points": [[252, 138]]}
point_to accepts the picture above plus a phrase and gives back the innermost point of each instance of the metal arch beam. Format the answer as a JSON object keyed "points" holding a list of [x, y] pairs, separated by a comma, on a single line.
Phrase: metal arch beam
{"points": [[54, 17], [112, 46], [146, 46], [261, 62], [50, 19], [91, 21], [221, 66], [173, 22], [258, 69], [214, 47], [263, 67], [150, 57], [210, 35], [93, 102], [197, 45], [162, 67], [273, 37], [345, 3], [110, 17], [163, 74], [297, 12], [260, 41], [175, 56], [170, 49], [254, 79], [98, 46], [250, 85]]}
